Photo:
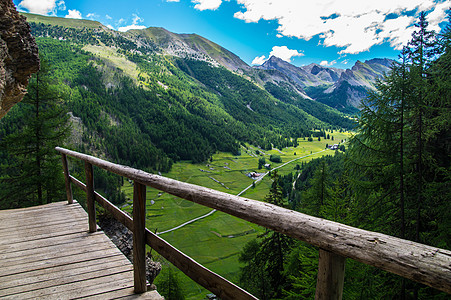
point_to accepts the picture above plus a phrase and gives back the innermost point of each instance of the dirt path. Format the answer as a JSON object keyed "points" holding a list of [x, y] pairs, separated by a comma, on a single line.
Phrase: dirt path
{"points": [[239, 194]]}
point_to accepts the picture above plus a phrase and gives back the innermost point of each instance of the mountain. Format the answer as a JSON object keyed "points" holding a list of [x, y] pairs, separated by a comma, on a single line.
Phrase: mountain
{"points": [[190, 46], [337, 88], [340, 89], [311, 75], [149, 97]]}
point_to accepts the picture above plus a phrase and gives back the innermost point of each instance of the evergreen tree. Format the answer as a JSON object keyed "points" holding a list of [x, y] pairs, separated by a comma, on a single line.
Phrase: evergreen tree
{"points": [[398, 152], [169, 286], [319, 193], [33, 175], [263, 273], [422, 49]]}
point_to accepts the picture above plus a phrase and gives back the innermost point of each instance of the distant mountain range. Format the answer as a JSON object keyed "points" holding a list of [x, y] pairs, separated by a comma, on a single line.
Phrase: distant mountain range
{"points": [[337, 88], [149, 97]]}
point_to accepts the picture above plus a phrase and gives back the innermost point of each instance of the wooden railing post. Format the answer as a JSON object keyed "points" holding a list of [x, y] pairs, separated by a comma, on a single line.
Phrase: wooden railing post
{"points": [[331, 274], [90, 197], [70, 198], [139, 237]]}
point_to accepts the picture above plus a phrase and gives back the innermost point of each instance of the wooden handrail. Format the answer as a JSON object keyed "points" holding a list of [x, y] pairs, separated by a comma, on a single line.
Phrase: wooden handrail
{"points": [[203, 276], [418, 262]]}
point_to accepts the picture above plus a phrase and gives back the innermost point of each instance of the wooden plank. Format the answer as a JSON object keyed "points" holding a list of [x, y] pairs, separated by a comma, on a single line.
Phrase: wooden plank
{"points": [[331, 275], [69, 196], [151, 295], [79, 288], [58, 258], [49, 263], [31, 208], [54, 223], [58, 240], [97, 287], [37, 218], [139, 237], [48, 235], [56, 253], [418, 262], [35, 231], [57, 272], [90, 197], [64, 280], [53, 247], [125, 293]]}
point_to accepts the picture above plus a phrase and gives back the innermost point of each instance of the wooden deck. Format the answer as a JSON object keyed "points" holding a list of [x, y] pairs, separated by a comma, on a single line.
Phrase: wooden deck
{"points": [[47, 252]]}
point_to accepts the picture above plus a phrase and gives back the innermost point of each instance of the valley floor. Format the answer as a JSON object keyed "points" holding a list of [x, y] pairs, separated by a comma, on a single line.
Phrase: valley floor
{"points": [[216, 239]]}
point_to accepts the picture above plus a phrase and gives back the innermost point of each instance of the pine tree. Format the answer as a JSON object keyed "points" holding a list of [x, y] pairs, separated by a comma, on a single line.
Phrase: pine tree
{"points": [[33, 175], [263, 274], [422, 49]]}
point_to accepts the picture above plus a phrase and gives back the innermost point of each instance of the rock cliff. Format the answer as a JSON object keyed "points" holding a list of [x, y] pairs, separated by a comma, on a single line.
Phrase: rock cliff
{"points": [[18, 56]]}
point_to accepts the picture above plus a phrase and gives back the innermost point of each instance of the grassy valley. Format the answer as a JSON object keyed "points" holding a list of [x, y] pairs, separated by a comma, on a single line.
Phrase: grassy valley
{"points": [[217, 240]]}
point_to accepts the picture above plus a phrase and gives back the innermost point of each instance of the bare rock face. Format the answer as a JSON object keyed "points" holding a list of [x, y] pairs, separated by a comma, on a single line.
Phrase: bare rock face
{"points": [[18, 56]]}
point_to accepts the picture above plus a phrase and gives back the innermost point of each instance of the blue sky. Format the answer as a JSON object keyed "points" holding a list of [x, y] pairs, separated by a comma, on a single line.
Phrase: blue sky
{"points": [[329, 32]]}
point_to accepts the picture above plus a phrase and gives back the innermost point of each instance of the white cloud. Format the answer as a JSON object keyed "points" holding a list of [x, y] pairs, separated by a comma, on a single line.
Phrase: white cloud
{"points": [[110, 27], [126, 28], [42, 7], [92, 16], [325, 63], [61, 5], [73, 14], [259, 60], [172, 0], [137, 19], [108, 17], [134, 24], [207, 4], [284, 53], [353, 25]]}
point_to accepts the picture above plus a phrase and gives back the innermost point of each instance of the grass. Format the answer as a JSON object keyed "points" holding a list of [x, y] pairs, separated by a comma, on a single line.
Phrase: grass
{"points": [[118, 60], [217, 240], [66, 22]]}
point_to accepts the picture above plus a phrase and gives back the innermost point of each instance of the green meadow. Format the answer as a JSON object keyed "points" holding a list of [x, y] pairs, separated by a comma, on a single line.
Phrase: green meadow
{"points": [[217, 240]]}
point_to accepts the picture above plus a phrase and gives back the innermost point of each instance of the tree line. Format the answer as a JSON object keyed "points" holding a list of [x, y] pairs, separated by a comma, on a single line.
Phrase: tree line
{"points": [[394, 179]]}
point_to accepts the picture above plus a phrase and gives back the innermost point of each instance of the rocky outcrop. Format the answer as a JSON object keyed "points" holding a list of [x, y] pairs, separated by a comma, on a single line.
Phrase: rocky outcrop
{"points": [[18, 56], [123, 239]]}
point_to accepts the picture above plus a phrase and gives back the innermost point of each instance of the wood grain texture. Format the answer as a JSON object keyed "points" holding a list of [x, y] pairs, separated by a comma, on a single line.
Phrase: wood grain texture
{"points": [[48, 260], [418, 262], [90, 197], [331, 275], [69, 195], [139, 237]]}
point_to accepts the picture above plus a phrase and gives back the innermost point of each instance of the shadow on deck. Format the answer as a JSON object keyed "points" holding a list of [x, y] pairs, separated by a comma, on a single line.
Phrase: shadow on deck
{"points": [[47, 252]]}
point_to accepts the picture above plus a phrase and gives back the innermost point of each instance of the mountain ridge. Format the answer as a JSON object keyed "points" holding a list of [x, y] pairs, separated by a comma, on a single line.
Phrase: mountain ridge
{"points": [[342, 89]]}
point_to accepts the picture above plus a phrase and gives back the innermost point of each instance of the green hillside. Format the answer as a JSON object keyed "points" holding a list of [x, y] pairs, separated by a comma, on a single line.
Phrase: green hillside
{"points": [[64, 22], [176, 108]]}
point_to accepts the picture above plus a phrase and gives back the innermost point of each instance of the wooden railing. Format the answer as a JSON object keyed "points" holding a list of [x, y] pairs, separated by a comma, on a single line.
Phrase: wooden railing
{"points": [[418, 262]]}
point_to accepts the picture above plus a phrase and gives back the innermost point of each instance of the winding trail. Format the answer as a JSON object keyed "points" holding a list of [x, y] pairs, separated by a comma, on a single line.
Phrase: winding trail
{"points": [[239, 194]]}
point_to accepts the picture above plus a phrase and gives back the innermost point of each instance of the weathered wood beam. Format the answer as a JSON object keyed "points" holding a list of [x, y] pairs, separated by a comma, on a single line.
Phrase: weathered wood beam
{"points": [[331, 275], [139, 237], [90, 197], [418, 262], [70, 198]]}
